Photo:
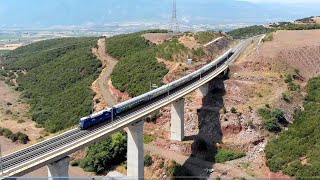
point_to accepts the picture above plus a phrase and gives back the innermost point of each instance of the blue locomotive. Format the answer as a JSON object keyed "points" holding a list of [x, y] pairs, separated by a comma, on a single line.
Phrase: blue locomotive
{"points": [[105, 115], [94, 119]]}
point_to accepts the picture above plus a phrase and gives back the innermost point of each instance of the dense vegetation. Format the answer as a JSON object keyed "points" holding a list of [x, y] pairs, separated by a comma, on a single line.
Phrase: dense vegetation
{"points": [[296, 151], [58, 79], [272, 119], [106, 153], [48, 45], [137, 65], [19, 136], [247, 32], [3, 52]]}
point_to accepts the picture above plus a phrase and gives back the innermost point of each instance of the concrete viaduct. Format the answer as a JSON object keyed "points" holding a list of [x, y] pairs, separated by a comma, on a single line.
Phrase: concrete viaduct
{"points": [[54, 152]]}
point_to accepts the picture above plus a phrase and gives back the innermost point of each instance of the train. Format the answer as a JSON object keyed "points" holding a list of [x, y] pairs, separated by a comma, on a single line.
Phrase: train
{"points": [[105, 114]]}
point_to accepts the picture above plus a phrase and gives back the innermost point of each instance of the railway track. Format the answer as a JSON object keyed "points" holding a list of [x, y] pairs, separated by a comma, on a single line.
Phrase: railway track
{"points": [[20, 158]]}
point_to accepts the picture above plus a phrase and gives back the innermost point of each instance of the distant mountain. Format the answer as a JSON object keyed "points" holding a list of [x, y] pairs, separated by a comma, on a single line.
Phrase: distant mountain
{"points": [[67, 12]]}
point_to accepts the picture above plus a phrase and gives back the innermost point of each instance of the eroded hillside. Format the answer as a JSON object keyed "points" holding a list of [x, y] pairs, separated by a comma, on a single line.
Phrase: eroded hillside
{"points": [[229, 116]]}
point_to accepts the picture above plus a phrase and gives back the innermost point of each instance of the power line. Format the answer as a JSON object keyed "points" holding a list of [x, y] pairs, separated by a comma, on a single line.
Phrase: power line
{"points": [[174, 20]]}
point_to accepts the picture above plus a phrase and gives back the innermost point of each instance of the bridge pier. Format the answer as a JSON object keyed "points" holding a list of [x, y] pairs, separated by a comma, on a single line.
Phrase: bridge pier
{"points": [[135, 158], [59, 170], [203, 90], [177, 120]]}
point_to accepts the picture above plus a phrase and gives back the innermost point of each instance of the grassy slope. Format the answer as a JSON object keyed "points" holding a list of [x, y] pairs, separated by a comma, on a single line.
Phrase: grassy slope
{"points": [[58, 81]]}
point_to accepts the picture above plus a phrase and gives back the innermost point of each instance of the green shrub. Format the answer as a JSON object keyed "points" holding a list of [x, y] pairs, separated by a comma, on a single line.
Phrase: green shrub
{"points": [[147, 160], [271, 119], [233, 110], [103, 154], [224, 155], [285, 97], [268, 37], [161, 165], [7, 133], [176, 170], [1, 131], [75, 162], [147, 138], [293, 86], [23, 138], [267, 106], [271, 125], [18, 88], [13, 137], [224, 110], [250, 124], [288, 78]]}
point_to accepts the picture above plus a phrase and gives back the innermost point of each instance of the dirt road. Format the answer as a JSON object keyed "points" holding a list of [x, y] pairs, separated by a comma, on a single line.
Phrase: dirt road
{"points": [[109, 63], [197, 166]]}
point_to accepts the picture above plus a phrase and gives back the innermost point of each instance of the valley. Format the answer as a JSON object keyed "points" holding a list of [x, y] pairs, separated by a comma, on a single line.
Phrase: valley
{"points": [[232, 132]]}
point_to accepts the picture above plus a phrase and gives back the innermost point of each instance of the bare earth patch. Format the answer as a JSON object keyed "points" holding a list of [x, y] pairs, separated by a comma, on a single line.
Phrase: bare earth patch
{"points": [[157, 38], [189, 42], [14, 116]]}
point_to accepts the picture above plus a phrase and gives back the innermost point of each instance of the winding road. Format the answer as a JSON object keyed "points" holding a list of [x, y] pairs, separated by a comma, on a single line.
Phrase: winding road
{"points": [[109, 63]]}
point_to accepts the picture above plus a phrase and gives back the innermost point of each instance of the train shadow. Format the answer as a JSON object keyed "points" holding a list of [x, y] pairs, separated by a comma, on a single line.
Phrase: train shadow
{"points": [[210, 133]]}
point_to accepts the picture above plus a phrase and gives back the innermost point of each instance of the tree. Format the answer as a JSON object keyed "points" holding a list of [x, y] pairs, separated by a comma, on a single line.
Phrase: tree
{"points": [[103, 154]]}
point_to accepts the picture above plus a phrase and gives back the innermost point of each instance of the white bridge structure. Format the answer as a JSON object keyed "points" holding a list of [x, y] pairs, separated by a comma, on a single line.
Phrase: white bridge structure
{"points": [[54, 152]]}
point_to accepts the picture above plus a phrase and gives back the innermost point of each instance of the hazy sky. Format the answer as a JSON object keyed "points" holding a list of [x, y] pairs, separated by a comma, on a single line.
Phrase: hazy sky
{"points": [[74, 12], [285, 1]]}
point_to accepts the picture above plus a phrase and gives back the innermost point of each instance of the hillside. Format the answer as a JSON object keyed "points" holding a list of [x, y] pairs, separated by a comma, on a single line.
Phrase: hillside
{"points": [[139, 62], [247, 32], [296, 151], [308, 23], [266, 86], [137, 65], [55, 77], [308, 20]]}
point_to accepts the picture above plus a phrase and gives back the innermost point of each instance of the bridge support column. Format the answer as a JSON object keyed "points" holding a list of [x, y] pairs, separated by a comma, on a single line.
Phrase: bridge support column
{"points": [[203, 90], [59, 169], [177, 120], [135, 158]]}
